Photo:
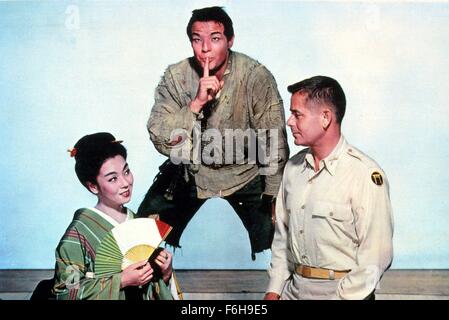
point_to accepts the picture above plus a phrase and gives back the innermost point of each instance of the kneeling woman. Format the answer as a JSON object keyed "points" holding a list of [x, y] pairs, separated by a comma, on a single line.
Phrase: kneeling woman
{"points": [[102, 168]]}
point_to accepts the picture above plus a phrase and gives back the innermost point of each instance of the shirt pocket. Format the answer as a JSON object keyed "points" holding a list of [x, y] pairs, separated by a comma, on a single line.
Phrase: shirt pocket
{"points": [[331, 224], [332, 230], [332, 211]]}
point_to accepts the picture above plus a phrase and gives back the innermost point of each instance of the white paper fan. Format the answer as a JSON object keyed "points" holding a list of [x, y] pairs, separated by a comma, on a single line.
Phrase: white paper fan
{"points": [[129, 242]]}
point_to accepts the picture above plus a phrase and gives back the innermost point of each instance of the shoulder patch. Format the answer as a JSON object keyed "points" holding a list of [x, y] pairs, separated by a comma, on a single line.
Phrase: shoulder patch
{"points": [[377, 178]]}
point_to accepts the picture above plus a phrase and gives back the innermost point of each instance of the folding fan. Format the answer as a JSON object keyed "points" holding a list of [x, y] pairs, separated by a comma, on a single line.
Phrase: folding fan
{"points": [[129, 242]]}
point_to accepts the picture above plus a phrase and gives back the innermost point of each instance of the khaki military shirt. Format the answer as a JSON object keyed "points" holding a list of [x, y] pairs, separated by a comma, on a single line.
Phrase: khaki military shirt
{"points": [[249, 99], [337, 218]]}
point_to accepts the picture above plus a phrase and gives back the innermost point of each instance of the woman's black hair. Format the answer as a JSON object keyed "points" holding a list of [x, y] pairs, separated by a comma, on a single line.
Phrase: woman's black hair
{"points": [[91, 151]]}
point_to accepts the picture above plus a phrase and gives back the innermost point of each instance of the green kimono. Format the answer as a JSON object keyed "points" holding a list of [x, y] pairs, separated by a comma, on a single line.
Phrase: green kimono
{"points": [[75, 259]]}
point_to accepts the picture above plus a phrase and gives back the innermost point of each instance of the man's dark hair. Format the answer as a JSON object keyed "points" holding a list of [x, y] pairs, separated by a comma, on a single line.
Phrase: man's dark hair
{"points": [[216, 14], [323, 89], [91, 151]]}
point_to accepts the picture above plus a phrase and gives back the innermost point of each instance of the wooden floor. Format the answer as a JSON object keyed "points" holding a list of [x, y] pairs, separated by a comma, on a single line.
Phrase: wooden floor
{"points": [[249, 284]]}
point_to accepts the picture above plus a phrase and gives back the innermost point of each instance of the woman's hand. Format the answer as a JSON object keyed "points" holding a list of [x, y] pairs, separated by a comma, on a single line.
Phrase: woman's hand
{"points": [[164, 261], [136, 274]]}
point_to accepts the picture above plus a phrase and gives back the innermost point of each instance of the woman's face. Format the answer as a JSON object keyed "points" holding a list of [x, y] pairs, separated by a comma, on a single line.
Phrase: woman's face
{"points": [[114, 183]]}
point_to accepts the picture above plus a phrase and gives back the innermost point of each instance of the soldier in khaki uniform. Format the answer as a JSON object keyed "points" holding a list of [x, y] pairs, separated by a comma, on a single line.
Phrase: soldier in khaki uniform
{"points": [[334, 224]]}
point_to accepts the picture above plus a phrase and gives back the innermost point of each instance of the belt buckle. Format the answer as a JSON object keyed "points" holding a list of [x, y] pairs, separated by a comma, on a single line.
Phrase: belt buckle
{"points": [[331, 275]]}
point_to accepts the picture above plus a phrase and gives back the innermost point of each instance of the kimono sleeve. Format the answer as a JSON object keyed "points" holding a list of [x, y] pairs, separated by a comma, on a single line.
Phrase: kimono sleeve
{"points": [[75, 281]]}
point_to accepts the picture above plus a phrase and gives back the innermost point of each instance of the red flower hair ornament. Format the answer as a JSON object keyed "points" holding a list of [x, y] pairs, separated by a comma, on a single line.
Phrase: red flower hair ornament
{"points": [[72, 152]]}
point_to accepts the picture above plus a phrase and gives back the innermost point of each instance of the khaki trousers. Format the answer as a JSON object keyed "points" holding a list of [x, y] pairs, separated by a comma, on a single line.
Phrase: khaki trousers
{"points": [[300, 288]]}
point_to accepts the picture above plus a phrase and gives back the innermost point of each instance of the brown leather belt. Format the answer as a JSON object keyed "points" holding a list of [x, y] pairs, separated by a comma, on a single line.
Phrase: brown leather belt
{"points": [[319, 273]]}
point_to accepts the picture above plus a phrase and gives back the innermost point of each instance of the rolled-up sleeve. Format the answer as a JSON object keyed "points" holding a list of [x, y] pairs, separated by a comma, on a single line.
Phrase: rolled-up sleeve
{"points": [[170, 115]]}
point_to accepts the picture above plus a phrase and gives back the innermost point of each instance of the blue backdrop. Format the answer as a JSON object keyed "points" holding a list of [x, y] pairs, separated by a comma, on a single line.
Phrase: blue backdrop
{"points": [[76, 67]]}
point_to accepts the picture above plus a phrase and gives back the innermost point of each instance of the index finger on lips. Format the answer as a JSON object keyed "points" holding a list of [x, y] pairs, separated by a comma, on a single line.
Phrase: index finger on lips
{"points": [[206, 68]]}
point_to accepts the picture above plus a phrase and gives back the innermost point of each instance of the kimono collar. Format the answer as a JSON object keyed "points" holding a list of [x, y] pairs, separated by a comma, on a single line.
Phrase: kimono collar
{"points": [[110, 219]]}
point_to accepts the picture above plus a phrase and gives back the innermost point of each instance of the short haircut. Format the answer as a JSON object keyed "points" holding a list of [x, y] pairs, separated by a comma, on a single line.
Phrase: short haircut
{"points": [[216, 14], [323, 89], [91, 151]]}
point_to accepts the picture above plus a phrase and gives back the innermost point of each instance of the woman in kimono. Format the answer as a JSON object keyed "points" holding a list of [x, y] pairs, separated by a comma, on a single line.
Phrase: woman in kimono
{"points": [[102, 168]]}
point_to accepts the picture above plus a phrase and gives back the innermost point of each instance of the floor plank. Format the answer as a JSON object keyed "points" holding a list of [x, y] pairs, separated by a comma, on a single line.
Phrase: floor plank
{"points": [[249, 284]]}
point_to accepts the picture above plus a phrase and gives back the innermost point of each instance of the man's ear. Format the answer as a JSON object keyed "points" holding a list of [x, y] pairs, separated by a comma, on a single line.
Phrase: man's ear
{"points": [[92, 187], [231, 42], [326, 118]]}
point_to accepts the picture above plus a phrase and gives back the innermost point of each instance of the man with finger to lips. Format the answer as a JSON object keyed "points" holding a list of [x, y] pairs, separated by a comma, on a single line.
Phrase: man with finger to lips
{"points": [[218, 91]]}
